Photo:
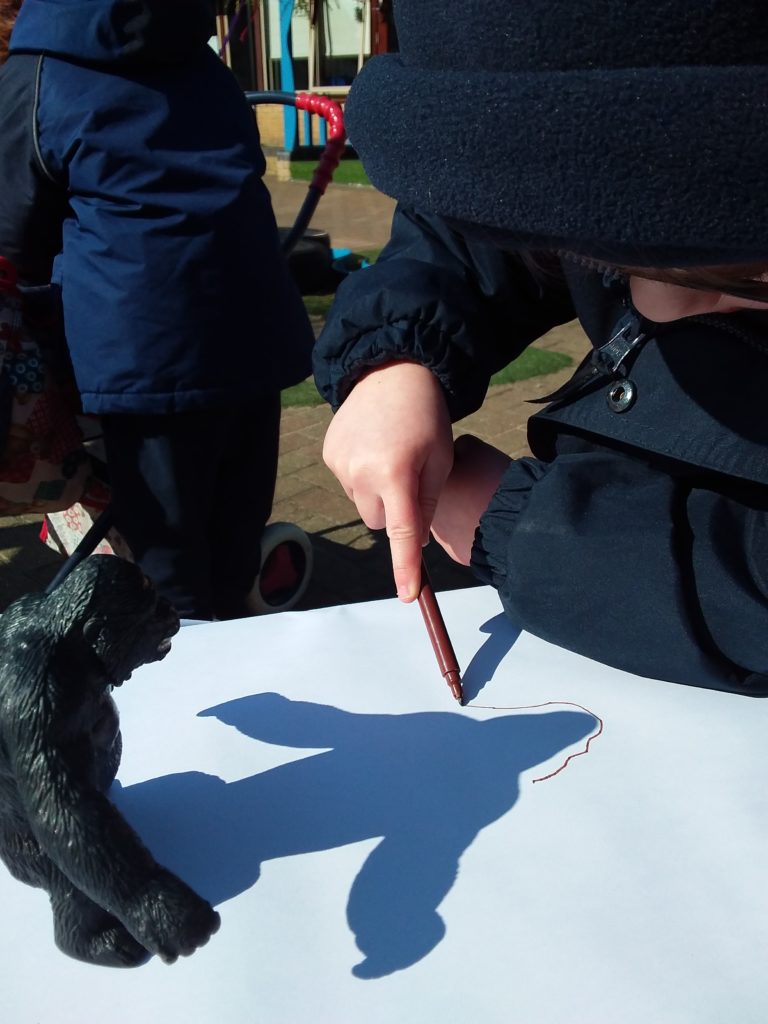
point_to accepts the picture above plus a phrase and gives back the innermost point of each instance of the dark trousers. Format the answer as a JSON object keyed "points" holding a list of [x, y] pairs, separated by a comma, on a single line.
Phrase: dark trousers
{"points": [[191, 494]]}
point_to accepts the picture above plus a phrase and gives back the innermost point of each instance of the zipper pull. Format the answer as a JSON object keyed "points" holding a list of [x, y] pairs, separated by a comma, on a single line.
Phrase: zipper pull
{"points": [[606, 361], [609, 358]]}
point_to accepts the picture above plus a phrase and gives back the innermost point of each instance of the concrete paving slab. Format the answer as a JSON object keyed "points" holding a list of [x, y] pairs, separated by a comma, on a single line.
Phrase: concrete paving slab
{"points": [[356, 217]]}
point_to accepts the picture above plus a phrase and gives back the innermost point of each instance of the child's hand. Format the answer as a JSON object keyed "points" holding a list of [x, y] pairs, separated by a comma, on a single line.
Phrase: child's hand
{"points": [[474, 479], [391, 447]]}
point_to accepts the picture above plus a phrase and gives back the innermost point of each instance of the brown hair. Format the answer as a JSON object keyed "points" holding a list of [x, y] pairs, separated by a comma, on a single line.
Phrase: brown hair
{"points": [[745, 280], [8, 11]]}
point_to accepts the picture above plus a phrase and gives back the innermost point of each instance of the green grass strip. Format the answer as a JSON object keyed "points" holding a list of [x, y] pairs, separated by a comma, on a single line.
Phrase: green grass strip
{"points": [[533, 362], [349, 172]]}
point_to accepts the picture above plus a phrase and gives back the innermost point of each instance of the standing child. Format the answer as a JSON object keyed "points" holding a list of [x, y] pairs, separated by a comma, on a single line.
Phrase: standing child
{"points": [[132, 176], [602, 160]]}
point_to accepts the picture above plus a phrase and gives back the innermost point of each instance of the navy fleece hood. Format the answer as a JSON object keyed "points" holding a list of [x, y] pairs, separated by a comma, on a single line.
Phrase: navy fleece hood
{"points": [[110, 31], [632, 133]]}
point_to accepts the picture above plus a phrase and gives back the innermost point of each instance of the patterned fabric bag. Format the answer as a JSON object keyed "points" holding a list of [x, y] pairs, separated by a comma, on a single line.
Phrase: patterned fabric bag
{"points": [[43, 464]]}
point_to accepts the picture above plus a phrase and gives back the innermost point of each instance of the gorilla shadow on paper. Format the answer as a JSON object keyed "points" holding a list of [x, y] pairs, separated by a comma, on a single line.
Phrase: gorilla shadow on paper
{"points": [[426, 783]]}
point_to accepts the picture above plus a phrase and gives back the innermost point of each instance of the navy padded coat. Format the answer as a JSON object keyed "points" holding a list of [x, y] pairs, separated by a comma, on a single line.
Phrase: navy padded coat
{"points": [[129, 156], [637, 535]]}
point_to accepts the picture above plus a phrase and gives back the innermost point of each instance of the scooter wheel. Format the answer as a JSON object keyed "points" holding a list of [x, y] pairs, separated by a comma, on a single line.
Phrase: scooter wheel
{"points": [[286, 568]]}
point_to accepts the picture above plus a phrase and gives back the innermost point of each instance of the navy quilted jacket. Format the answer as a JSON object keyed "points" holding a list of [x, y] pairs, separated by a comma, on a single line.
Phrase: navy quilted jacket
{"points": [[129, 156], [638, 533]]}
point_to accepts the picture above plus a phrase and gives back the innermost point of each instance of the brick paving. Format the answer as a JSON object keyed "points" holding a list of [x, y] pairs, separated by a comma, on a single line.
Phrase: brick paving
{"points": [[351, 562]]}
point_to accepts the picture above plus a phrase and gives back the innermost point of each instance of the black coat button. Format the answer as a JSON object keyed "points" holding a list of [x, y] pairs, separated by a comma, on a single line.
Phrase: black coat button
{"points": [[621, 396]]}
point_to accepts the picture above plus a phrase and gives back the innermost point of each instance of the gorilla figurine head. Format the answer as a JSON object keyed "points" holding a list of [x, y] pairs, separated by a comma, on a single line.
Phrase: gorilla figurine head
{"points": [[60, 655], [113, 607]]}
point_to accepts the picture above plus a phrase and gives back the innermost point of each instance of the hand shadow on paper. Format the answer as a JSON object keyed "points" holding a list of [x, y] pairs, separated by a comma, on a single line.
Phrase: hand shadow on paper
{"points": [[425, 783]]}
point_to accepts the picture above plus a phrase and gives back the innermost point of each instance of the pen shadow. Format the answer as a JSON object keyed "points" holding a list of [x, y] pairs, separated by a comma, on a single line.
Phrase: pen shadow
{"points": [[424, 784], [502, 636]]}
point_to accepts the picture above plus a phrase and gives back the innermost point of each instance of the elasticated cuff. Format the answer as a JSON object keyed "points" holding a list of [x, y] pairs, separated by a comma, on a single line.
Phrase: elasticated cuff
{"points": [[489, 558]]}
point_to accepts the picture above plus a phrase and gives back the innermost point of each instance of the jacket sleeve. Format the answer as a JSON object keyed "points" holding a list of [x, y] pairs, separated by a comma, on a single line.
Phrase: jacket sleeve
{"points": [[460, 306], [32, 204], [615, 560]]}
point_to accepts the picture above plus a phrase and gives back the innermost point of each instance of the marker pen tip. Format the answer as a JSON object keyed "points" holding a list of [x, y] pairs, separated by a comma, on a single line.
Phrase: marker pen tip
{"points": [[454, 681]]}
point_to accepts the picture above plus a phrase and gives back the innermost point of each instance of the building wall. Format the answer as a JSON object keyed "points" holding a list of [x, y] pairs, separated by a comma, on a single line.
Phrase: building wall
{"points": [[343, 29], [270, 122], [253, 52]]}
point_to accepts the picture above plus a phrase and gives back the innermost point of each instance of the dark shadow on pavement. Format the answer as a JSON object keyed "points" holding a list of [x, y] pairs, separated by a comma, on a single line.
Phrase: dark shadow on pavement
{"points": [[345, 575]]}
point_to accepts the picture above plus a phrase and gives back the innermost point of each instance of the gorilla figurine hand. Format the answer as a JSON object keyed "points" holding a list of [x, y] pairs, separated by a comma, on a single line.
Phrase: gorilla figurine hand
{"points": [[60, 656]]}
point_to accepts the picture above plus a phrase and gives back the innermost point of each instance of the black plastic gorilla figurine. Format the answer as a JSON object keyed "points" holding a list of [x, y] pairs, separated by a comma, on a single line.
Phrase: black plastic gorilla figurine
{"points": [[60, 655]]}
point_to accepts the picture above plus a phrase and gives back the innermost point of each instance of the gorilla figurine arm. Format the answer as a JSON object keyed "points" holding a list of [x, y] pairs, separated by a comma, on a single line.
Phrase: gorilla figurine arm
{"points": [[59, 752]]}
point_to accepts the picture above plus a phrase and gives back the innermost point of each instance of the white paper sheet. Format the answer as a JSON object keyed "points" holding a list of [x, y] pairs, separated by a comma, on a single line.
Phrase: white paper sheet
{"points": [[379, 854]]}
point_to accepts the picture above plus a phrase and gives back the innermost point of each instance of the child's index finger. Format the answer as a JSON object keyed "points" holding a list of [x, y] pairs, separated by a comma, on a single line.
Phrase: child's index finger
{"points": [[405, 530]]}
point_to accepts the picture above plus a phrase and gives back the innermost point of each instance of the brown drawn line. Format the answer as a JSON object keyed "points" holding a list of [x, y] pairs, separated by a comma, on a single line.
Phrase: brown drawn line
{"points": [[547, 703]]}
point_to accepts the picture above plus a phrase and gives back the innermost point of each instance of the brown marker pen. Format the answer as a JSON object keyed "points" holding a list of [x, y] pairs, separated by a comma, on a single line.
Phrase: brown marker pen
{"points": [[438, 634]]}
